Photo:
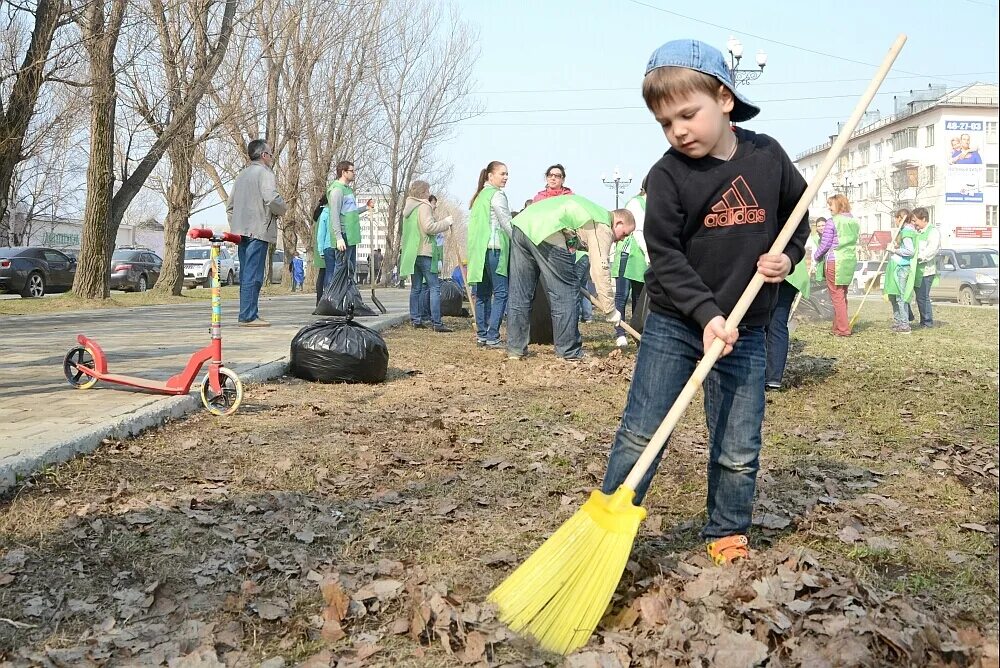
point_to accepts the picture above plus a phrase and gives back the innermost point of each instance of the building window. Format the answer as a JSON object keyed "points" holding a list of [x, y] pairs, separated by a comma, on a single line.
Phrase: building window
{"points": [[878, 152], [929, 132], [991, 215], [991, 132], [905, 178], [878, 188], [991, 175], [863, 153], [905, 138], [930, 174]]}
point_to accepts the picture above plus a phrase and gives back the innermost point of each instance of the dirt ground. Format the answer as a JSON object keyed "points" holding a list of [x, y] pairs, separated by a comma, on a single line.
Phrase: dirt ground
{"points": [[364, 525]]}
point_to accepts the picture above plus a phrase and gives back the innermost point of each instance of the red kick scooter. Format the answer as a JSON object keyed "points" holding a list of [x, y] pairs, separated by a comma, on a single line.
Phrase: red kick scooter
{"points": [[221, 389]]}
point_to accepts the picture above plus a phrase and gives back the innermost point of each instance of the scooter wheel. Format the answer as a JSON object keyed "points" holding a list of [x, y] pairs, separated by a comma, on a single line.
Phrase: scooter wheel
{"points": [[79, 357], [228, 400]]}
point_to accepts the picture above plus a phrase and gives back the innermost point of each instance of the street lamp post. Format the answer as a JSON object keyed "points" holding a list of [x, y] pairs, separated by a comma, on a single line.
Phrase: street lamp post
{"points": [[617, 183], [739, 76]]}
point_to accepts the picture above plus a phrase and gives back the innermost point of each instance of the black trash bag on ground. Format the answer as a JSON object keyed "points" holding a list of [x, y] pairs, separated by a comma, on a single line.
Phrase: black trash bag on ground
{"points": [[541, 317], [638, 320], [817, 307], [452, 297], [342, 294], [338, 350]]}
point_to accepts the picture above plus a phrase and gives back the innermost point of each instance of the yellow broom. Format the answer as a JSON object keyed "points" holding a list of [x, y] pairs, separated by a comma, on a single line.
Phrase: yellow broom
{"points": [[561, 592]]}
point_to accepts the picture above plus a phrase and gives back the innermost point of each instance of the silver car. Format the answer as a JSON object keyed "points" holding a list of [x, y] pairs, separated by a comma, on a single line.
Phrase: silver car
{"points": [[967, 276]]}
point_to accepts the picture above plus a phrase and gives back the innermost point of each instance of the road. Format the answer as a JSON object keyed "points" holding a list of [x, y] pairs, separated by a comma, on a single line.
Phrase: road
{"points": [[43, 419]]}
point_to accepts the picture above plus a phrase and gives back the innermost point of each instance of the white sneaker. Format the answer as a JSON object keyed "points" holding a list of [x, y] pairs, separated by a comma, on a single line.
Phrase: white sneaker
{"points": [[621, 342]]}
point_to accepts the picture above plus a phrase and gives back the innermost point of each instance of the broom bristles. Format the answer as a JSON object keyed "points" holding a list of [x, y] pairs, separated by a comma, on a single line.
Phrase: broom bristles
{"points": [[559, 594]]}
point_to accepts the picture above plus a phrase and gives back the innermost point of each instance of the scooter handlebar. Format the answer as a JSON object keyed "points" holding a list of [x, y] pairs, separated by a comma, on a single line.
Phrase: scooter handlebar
{"points": [[204, 233]]}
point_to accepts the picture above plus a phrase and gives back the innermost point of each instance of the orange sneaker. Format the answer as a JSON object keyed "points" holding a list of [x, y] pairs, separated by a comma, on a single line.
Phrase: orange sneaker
{"points": [[728, 549]]}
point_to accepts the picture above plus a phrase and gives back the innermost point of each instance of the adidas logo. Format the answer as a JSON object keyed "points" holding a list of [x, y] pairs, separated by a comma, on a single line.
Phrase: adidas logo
{"points": [[738, 206]]}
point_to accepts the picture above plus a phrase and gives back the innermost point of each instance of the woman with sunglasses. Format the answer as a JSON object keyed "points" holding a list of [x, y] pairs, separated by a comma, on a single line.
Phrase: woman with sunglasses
{"points": [[555, 176]]}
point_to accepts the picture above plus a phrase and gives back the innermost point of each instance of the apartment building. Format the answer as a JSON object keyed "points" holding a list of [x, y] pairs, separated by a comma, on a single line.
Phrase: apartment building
{"points": [[938, 150]]}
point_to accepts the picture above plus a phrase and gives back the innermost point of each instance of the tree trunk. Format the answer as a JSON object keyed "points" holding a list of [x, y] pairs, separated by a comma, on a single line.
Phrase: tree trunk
{"points": [[179, 203], [16, 115], [92, 274]]}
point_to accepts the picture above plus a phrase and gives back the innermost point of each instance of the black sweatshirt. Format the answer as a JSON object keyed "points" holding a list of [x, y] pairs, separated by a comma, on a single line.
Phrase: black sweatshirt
{"points": [[707, 222]]}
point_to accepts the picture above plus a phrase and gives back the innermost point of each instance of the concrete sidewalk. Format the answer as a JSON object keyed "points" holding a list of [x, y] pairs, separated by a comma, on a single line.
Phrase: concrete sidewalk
{"points": [[43, 420]]}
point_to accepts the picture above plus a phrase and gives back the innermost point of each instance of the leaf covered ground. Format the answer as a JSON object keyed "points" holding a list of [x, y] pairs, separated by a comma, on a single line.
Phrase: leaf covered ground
{"points": [[364, 525]]}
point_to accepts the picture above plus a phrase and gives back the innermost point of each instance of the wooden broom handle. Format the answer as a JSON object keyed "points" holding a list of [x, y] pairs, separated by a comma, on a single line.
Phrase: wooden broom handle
{"points": [[624, 325], [714, 351]]}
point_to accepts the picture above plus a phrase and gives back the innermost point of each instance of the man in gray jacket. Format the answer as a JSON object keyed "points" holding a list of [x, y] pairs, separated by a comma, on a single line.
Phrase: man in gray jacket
{"points": [[253, 209]]}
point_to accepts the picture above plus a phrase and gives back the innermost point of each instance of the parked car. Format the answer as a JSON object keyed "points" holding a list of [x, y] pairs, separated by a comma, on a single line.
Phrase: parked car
{"points": [[198, 266], [33, 271], [278, 265], [967, 276], [134, 269], [866, 272]]}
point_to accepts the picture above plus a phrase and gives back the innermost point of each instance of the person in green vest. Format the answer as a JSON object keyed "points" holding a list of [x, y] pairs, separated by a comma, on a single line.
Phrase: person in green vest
{"points": [[539, 249], [629, 267], [321, 229], [899, 274], [416, 257], [488, 239], [776, 336], [929, 243], [838, 246], [345, 219]]}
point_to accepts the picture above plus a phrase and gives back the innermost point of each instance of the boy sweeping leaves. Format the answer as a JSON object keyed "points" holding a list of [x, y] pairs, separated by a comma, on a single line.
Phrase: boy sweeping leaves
{"points": [[717, 201]]}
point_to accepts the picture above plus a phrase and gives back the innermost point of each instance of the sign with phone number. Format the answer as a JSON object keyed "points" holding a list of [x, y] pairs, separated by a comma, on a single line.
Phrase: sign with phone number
{"points": [[967, 126], [973, 233]]}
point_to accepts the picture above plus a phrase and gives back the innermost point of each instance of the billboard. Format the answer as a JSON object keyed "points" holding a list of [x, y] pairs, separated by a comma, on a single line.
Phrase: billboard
{"points": [[966, 172]]}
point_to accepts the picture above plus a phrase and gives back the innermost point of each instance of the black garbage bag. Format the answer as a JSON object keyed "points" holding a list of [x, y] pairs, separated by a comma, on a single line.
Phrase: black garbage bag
{"points": [[342, 294], [817, 307], [452, 297], [338, 350], [638, 319], [541, 317]]}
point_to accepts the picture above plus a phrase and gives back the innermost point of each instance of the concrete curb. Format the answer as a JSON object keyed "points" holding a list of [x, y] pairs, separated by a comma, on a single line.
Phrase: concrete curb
{"points": [[154, 414]]}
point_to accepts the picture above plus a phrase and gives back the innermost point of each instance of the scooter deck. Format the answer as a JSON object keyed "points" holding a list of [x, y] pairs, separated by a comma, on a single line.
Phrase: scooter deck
{"points": [[143, 383]]}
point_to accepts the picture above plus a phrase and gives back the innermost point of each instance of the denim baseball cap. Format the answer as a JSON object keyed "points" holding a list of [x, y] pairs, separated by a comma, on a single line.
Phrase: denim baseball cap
{"points": [[695, 55]]}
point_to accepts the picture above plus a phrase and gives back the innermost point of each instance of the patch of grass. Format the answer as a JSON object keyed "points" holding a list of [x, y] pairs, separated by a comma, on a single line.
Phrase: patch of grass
{"points": [[861, 430]]}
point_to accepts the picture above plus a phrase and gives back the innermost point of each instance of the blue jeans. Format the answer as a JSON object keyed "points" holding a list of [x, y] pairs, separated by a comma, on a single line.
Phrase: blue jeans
{"points": [[253, 256], [923, 291], [901, 307], [623, 288], [582, 269], [491, 299], [555, 266], [422, 273], [777, 334], [330, 260], [734, 411]]}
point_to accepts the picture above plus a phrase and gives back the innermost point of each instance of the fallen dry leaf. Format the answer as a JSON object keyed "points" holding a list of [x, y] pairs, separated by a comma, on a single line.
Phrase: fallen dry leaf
{"points": [[383, 590], [475, 648]]}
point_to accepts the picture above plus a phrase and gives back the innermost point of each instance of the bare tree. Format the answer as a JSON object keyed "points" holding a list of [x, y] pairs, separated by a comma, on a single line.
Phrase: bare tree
{"points": [[104, 209], [22, 94], [423, 78]]}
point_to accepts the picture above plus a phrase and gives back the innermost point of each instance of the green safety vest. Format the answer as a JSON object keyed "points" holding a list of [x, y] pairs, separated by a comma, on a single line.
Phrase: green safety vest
{"points": [[437, 253], [922, 239], [318, 260], [799, 278], [563, 212], [351, 222], [635, 267], [479, 232], [846, 253], [891, 282], [411, 242]]}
